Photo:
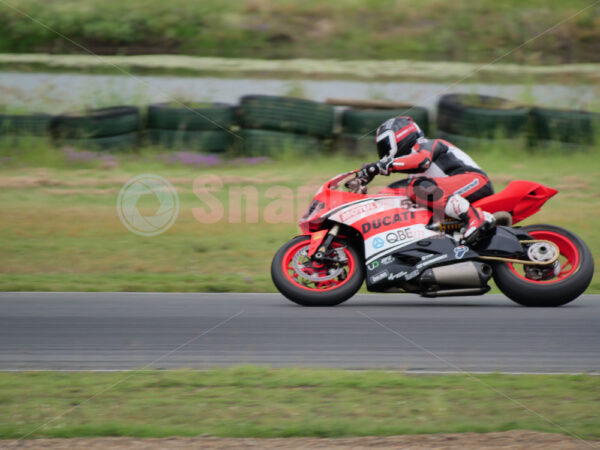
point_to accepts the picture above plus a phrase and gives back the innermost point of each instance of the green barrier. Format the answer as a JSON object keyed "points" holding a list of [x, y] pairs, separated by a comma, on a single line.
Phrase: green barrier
{"points": [[287, 114], [96, 123], [481, 116], [567, 126], [119, 142], [191, 116], [201, 141]]}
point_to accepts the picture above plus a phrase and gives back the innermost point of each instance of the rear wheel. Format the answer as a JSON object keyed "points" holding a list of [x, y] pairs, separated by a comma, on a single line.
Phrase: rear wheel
{"points": [[308, 283], [549, 286]]}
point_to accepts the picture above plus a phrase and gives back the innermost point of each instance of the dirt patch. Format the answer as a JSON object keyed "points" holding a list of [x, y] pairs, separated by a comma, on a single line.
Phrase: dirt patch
{"points": [[80, 191], [512, 440], [45, 180]]}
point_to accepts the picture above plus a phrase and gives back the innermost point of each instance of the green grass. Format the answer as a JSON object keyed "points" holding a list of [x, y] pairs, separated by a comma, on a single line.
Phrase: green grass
{"points": [[348, 29], [60, 229], [261, 402]]}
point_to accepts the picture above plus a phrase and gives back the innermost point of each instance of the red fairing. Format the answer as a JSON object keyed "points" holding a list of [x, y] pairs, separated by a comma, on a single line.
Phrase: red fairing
{"points": [[521, 198]]}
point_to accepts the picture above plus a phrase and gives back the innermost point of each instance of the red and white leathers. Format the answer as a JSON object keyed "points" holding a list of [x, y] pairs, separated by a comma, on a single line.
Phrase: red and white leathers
{"points": [[443, 178]]}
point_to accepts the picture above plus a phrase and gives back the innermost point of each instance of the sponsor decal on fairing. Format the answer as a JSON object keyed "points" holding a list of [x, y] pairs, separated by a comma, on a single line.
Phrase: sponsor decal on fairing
{"points": [[383, 243], [460, 251], [374, 265], [380, 276], [431, 261], [388, 260], [358, 211], [395, 276]]}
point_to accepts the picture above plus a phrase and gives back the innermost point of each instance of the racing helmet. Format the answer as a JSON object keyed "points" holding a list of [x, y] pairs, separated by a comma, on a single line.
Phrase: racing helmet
{"points": [[397, 136]]}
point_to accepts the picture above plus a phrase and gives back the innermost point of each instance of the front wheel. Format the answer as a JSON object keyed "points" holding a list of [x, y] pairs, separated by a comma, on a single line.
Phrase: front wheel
{"points": [[556, 286], [309, 283]]}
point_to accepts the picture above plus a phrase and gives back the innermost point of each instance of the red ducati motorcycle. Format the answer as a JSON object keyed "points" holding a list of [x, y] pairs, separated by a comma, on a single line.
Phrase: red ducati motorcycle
{"points": [[398, 246]]}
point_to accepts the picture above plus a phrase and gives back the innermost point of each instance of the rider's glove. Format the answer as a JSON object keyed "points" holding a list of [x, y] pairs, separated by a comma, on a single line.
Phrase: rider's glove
{"points": [[368, 171]]}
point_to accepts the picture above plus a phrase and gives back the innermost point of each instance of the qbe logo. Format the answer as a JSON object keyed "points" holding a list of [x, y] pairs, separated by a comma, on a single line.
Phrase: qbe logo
{"points": [[128, 206], [378, 243]]}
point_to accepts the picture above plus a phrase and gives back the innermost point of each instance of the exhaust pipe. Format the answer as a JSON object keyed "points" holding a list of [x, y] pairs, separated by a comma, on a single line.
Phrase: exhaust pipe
{"points": [[469, 277]]}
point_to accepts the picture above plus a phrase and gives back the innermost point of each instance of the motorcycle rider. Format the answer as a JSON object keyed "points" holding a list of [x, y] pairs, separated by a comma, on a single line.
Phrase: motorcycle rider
{"points": [[442, 177]]}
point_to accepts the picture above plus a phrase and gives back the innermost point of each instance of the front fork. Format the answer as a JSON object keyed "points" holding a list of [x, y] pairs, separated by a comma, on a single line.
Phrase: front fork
{"points": [[320, 242]]}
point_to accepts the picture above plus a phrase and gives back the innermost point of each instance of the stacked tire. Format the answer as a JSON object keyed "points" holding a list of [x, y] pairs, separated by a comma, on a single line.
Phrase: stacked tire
{"points": [[571, 129], [475, 120], [198, 127], [359, 126], [18, 128], [275, 126], [114, 128]]}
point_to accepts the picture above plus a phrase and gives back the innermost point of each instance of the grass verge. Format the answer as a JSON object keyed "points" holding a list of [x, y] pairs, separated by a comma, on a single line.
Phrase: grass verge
{"points": [[60, 229], [335, 69], [261, 402], [433, 30]]}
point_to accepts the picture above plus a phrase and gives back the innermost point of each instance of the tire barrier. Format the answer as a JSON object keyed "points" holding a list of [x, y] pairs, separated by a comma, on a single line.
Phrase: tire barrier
{"points": [[272, 125], [201, 141], [96, 123], [105, 128], [473, 143], [202, 127], [125, 141], [25, 124], [191, 117], [292, 115], [482, 116], [278, 143], [578, 128]]}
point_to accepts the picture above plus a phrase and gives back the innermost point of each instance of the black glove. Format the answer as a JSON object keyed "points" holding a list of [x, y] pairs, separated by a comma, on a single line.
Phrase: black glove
{"points": [[368, 171]]}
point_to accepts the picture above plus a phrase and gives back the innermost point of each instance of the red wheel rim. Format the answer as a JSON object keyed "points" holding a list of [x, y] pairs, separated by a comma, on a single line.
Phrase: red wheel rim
{"points": [[316, 286], [569, 256]]}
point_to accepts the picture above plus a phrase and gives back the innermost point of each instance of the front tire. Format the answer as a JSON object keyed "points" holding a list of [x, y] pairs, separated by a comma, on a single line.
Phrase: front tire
{"points": [[575, 275], [328, 284]]}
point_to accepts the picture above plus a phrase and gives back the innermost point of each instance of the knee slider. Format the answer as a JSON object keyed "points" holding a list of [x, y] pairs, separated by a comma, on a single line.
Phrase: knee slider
{"points": [[426, 189]]}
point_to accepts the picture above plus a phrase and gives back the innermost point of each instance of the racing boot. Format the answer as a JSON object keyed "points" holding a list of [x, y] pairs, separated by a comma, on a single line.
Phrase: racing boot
{"points": [[478, 223]]}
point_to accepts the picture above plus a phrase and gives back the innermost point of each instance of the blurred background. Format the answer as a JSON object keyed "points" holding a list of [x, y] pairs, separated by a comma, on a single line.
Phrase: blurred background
{"points": [[268, 94], [246, 108]]}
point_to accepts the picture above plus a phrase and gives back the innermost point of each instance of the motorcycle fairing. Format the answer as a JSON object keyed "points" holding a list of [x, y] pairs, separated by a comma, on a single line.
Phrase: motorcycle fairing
{"points": [[520, 198], [385, 223], [504, 242], [404, 266]]}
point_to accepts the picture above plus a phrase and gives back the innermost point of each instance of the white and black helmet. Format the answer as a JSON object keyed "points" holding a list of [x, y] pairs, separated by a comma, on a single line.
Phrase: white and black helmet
{"points": [[397, 136]]}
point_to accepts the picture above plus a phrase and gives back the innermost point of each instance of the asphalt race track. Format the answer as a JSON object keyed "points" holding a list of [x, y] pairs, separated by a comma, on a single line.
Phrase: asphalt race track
{"points": [[115, 331]]}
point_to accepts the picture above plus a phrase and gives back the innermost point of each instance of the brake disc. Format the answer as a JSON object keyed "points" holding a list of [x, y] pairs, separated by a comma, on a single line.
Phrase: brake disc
{"points": [[300, 268]]}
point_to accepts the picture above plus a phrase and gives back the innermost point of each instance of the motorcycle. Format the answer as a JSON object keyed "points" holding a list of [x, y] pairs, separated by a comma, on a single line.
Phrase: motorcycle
{"points": [[400, 246]]}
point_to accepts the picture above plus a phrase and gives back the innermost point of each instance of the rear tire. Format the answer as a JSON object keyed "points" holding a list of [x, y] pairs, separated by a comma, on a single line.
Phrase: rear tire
{"points": [[306, 295], [571, 282]]}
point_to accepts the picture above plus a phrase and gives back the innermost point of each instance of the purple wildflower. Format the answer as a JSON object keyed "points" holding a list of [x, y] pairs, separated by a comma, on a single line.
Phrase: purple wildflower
{"points": [[74, 156], [251, 161], [194, 159]]}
